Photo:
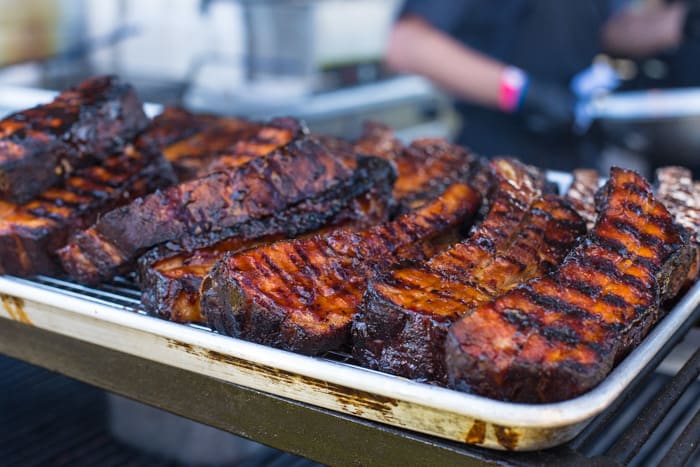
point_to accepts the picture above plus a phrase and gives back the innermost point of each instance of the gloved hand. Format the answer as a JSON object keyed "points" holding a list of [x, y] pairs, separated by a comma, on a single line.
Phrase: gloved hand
{"points": [[691, 25], [547, 108]]}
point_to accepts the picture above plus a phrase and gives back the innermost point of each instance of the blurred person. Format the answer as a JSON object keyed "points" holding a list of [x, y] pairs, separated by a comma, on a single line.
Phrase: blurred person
{"points": [[509, 64]]}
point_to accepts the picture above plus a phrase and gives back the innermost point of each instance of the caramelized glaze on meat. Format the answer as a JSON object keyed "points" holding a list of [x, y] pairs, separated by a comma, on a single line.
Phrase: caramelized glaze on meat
{"points": [[170, 281], [301, 295], [30, 232], [557, 337], [405, 312], [425, 167], [263, 195], [41, 146]]}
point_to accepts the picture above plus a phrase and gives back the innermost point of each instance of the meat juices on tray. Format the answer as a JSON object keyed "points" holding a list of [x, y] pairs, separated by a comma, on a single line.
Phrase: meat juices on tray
{"points": [[557, 337]]}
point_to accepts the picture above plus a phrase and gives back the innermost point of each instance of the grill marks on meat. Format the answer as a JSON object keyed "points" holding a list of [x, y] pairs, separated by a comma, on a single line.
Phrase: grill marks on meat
{"points": [[425, 167], [263, 195], [31, 232], [681, 196], [405, 313], [175, 124], [85, 124], [301, 295], [556, 337], [170, 281], [198, 144], [230, 143], [582, 193], [429, 165], [171, 284]]}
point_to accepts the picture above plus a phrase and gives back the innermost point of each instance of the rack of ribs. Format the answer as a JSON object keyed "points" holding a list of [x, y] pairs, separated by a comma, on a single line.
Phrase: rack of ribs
{"points": [[405, 313], [31, 232], [263, 194], [301, 295], [558, 336], [83, 125], [170, 280]]}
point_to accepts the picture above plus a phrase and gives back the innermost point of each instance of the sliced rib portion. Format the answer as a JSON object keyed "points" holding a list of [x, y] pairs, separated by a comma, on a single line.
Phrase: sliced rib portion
{"points": [[264, 194], [31, 232], [198, 144], [170, 279], [425, 167], [175, 124], [557, 337], [85, 124], [405, 313], [429, 165], [301, 295], [582, 192], [230, 143], [681, 196]]}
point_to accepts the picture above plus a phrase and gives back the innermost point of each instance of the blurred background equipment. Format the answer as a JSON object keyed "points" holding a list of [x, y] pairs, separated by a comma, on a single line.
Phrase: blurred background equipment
{"points": [[254, 58]]}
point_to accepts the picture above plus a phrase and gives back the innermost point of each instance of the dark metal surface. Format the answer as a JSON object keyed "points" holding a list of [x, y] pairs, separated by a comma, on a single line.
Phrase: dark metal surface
{"points": [[628, 445], [315, 433], [685, 446], [49, 419]]}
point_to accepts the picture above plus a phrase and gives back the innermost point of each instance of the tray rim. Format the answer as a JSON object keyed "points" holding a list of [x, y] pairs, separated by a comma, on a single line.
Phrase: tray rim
{"points": [[529, 416]]}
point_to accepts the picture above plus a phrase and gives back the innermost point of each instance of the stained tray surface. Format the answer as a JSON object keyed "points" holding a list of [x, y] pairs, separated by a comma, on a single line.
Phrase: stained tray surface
{"points": [[110, 316]]}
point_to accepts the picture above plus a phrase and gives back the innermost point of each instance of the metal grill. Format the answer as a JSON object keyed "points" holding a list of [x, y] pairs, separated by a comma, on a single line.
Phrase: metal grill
{"points": [[49, 419], [122, 292], [656, 421]]}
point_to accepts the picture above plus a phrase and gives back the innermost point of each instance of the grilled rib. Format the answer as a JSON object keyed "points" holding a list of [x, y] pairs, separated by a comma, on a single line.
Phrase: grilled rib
{"points": [[174, 124], [378, 140], [170, 280], [582, 192], [425, 167], [681, 196], [556, 337], [42, 145], [230, 143], [263, 194], [300, 295], [405, 313], [31, 232]]}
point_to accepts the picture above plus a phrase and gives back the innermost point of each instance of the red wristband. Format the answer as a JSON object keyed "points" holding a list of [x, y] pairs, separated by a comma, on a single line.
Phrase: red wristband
{"points": [[513, 83]]}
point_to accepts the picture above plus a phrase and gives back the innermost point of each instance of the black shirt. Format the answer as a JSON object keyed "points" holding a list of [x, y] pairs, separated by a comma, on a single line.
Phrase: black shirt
{"points": [[549, 39]]}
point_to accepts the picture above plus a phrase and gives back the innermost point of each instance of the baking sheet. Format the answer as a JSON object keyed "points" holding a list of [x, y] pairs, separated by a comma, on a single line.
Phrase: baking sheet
{"points": [[111, 317]]}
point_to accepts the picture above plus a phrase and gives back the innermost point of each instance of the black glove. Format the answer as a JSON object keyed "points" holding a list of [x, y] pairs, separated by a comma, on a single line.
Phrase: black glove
{"points": [[691, 26], [548, 108]]}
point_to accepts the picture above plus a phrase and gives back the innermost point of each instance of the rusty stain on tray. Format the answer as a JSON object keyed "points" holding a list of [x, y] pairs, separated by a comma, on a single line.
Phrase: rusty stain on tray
{"points": [[477, 433], [507, 437], [350, 398], [14, 306]]}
